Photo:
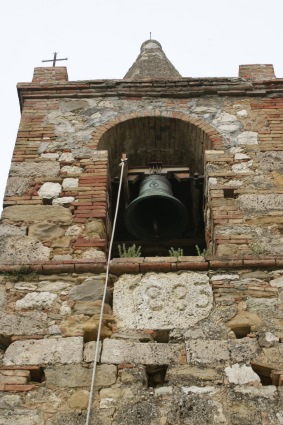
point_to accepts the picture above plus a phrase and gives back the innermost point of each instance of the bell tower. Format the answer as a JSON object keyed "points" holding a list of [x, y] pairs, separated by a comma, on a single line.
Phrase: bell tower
{"points": [[186, 329]]}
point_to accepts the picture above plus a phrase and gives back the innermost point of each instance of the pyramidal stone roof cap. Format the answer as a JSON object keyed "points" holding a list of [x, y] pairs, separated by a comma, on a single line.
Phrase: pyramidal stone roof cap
{"points": [[152, 63]]}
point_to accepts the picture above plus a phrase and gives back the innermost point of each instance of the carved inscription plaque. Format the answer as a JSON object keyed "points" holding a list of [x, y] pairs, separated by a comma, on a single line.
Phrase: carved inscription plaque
{"points": [[161, 300]]}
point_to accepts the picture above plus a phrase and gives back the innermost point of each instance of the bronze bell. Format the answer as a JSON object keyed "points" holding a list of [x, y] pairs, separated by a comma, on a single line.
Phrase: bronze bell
{"points": [[156, 213]]}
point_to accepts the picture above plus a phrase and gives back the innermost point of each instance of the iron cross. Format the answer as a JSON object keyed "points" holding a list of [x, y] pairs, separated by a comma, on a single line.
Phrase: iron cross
{"points": [[54, 60]]}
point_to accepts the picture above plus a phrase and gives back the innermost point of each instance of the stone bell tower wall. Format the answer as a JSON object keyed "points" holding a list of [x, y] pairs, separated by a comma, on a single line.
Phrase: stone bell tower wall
{"points": [[184, 340]]}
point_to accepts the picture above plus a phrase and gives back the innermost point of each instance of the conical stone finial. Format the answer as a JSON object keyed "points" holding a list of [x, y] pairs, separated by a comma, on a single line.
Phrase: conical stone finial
{"points": [[152, 63]]}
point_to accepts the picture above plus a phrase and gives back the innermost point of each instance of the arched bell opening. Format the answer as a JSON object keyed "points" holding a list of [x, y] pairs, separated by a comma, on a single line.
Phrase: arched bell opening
{"points": [[166, 147]]}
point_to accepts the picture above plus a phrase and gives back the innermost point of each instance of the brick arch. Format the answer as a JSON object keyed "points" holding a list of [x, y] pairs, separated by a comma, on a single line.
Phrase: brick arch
{"points": [[216, 140]]}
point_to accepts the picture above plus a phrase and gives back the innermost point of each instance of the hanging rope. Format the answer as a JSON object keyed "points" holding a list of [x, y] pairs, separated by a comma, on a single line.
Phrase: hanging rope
{"points": [[122, 165]]}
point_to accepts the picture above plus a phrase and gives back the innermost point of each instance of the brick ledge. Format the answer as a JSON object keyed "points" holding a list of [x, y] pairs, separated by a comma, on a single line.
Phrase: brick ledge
{"points": [[145, 264]]}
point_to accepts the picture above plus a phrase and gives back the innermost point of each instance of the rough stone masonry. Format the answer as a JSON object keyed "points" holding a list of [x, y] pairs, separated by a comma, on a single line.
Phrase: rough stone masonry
{"points": [[188, 340]]}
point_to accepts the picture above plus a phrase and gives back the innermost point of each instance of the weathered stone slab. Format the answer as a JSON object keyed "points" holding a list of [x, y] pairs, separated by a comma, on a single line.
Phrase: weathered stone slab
{"points": [[260, 204], [243, 350], [257, 392], [241, 375], [207, 352], [17, 186], [34, 169], [73, 376], [161, 301], [21, 417], [28, 323], [9, 230], [36, 213], [22, 250], [45, 351], [115, 351]]}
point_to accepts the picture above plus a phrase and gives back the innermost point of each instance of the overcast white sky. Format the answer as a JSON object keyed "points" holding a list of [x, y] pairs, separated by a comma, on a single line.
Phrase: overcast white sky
{"points": [[102, 39]]}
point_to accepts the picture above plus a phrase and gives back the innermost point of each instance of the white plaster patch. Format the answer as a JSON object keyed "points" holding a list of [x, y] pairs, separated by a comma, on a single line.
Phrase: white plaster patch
{"points": [[70, 183], [49, 190], [163, 391], [241, 374], [161, 301], [248, 138], [199, 390]]}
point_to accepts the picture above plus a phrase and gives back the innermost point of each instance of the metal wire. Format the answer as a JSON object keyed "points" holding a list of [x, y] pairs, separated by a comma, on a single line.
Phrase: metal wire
{"points": [[122, 164]]}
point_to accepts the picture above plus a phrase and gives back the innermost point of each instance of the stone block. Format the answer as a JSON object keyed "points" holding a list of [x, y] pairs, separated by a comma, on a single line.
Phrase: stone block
{"points": [[90, 308], [22, 250], [207, 352], [243, 350], [21, 417], [70, 183], [35, 169], [9, 401], [187, 374], [89, 351], [49, 190], [17, 186], [116, 351], [90, 290], [261, 203], [241, 375], [37, 213], [82, 325], [45, 231], [44, 351], [248, 138], [161, 301], [9, 230], [95, 229], [2, 296], [63, 200], [73, 376], [79, 399], [37, 300], [71, 169], [25, 323]]}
